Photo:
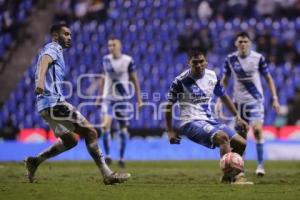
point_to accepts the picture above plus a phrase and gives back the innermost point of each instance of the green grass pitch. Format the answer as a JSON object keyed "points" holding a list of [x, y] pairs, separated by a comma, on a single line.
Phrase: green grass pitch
{"points": [[163, 180]]}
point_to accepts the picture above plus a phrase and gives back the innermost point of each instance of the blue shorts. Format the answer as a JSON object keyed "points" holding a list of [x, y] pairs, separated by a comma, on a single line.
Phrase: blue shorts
{"points": [[251, 112], [118, 110], [202, 132]]}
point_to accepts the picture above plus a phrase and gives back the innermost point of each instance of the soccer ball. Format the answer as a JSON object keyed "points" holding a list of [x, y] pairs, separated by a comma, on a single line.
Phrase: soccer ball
{"points": [[232, 163]]}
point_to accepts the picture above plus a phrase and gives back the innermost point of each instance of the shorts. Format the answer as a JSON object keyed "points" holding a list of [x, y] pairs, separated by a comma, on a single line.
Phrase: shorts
{"points": [[118, 110], [202, 132], [62, 118], [251, 112]]}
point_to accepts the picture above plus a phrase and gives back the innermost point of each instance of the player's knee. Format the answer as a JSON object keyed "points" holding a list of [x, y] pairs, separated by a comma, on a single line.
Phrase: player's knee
{"points": [[242, 142], [257, 132], [70, 142], [221, 138], [93, 133]]}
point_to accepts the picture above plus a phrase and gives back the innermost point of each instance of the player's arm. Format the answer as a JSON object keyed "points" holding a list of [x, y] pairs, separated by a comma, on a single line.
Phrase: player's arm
{"points": [[264, 70], [134, 79], [271, 85], [173, 137], [175, 89], [100, 82], [219, 91], [43, 65], [224, 81]]}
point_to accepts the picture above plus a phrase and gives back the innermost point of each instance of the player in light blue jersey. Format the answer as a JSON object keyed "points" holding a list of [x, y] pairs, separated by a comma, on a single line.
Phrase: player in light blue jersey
{"points": [[61, 116], [193, 90], [246, 66], [118, 86]]}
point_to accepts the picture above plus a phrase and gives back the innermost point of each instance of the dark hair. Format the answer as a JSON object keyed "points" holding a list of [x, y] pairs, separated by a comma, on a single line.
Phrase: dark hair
{"points": [[55, 28], [242, 34], [195, 53], [113, 38]]}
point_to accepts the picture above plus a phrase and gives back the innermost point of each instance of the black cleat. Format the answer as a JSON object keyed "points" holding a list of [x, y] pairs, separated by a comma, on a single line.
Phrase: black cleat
{"points": [[121, 163], [31, 165]]}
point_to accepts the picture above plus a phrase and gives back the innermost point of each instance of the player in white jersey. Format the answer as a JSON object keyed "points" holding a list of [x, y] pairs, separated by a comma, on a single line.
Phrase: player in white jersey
{"points": [[62, 117], [193, 90], [246, 66], [118, 86]]}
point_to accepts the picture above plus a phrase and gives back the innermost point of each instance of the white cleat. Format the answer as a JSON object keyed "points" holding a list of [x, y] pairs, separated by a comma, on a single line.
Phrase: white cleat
{"points": [[240, 179], [260, 171], [116, 177]]}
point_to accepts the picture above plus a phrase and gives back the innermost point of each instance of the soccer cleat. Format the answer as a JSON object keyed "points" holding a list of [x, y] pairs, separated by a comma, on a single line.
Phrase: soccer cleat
{"points": [[226, 179], [121, 163], [116, 177], [108, 160], [240, 179], [31, 167], [260, 171]]}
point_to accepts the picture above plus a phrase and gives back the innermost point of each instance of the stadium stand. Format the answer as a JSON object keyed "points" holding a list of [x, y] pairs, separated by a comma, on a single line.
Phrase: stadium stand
{"points": [[12, 16], [149, 31]]}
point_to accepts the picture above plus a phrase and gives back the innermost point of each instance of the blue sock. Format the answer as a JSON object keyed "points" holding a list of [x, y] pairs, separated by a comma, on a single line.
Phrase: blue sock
{"points": [[260, 153], [123, 142], [106, 142]]}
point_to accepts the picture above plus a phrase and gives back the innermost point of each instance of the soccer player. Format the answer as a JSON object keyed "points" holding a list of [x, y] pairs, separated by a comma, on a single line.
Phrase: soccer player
{"points": [[115, 91], [194, 89], [246, 66], [61, 116]]}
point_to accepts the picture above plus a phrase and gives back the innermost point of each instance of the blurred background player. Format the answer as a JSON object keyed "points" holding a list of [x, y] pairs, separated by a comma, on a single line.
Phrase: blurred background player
{"points": [[115, 91], [194, 89], [246, 66], [61, 116]]}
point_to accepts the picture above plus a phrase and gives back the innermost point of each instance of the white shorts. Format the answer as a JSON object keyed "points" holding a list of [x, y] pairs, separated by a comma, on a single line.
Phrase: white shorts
{"points": [[63, 118]]}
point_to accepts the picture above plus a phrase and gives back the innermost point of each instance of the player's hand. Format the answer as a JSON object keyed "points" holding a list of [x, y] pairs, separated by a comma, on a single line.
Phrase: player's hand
{"points": [[173, 138], [276, 105], [39, 90], [241, 124]]}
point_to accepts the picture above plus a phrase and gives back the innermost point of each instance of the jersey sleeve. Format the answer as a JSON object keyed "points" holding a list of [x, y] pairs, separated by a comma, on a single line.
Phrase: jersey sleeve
{"points": [[175, 90], [226, 69], [219, 89], [52, 52], [263, 66], [131, 66]]}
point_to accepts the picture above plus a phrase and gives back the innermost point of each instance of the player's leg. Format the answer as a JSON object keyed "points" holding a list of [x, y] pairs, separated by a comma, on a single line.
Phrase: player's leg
{"points": [[65, 143], [106, 133], [121, 115], [207, 134], [67, 140], [238, 145], [242, 112], [76, 122], [123, 142], [258, 134], [90, 135], [255, 114], [221, 140], [85, 130]]}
